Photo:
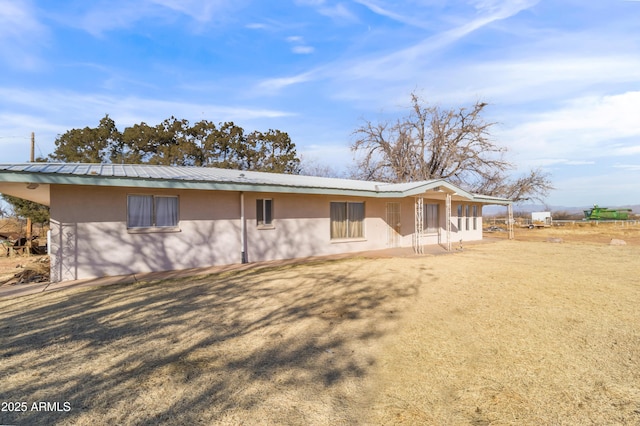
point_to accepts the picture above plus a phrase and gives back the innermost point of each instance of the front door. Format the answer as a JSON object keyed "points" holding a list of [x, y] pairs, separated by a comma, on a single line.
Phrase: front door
{"points": [[393, 222]]}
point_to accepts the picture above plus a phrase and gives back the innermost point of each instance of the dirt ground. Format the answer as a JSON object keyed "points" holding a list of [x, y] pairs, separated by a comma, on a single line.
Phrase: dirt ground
{"points": [[581, 232], [506, 333]]}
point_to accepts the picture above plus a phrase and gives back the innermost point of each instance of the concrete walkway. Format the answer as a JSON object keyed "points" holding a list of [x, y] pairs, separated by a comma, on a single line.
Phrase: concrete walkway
{"points": [[17, 290]]}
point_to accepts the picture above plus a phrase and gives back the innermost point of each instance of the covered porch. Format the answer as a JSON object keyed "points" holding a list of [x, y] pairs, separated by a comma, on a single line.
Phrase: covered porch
{"points": [[446, 216]]}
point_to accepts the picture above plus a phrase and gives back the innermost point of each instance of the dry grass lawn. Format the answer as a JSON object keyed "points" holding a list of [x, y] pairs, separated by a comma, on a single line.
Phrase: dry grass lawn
{"points": [[507, 333]]}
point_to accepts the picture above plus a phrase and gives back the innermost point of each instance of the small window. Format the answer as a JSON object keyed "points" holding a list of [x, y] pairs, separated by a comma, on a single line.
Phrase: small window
{"points": [[460, 217], [264, 212], [152, 211], [475, 218], [347, 220], [466, 218]]}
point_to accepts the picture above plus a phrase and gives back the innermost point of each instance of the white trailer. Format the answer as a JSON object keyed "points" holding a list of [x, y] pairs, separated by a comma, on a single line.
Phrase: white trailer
{"points": [[540, 220]]}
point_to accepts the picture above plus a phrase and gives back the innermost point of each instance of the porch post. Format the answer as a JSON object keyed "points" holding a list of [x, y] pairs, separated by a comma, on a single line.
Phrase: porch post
{"points": [[510, 221], [419, 226], [448, 221]]}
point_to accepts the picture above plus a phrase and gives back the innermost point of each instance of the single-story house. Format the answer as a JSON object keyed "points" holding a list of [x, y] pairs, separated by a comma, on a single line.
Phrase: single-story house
{"points": [[119, 219]]}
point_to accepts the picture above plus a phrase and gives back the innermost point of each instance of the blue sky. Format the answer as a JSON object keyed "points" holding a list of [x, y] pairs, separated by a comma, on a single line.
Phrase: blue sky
{"points": [[561, 77]]}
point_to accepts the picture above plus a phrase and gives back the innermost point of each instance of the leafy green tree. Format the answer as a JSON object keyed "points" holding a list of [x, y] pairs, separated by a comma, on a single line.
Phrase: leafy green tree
{"points": [[136, 146], [221, 146], [168, 143], [272, 151], [176, 142], [88, 145], [28, 209]]}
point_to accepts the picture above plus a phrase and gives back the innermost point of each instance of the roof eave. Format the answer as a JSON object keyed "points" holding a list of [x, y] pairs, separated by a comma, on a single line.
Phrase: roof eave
{"points": [[487, 199], [116, 181], [392, 191]]}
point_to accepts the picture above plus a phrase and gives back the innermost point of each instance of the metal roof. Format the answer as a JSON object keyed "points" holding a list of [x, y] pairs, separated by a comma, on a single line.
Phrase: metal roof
{"points": [[155, 176]]}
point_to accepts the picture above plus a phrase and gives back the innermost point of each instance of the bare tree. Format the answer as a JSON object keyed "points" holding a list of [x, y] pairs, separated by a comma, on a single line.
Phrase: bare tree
{"points": [[435, 143], [311, 166]]}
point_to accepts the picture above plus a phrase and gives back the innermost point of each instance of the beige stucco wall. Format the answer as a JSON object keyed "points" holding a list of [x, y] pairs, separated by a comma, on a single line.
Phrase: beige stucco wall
{"points": [[301, 227], [90, 236]]}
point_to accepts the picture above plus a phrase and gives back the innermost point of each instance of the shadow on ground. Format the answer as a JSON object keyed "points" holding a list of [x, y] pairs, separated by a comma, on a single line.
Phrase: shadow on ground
{"points": [[290, 345]]}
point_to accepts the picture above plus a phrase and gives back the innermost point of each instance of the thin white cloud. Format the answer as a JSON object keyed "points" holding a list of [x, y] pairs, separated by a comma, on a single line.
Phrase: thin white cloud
{"points": [[579, 163], [631, 167], [337, 12], [52, 112], [403, 64], [21, 33], [499, 6], [21, 125], [600, 186], [199, 10], [103, 17], [300, 47], [628, 150], [532, 78], [583, 129], [302, 50], [385, 12], [313, 3], [257, 26], [274, 85], [392, 65], [565, 162]]}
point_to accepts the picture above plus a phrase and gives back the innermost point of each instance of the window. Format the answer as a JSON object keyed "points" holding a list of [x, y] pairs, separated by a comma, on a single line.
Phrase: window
{"points": [[466, 218], [264, 212], [152, 211], [431, 222], [347, 220], [460, 217], [475, 218]]}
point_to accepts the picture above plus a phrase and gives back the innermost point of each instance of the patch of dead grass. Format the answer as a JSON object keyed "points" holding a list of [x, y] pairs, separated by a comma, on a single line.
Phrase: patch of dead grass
{"points": [[294, 343], [519, 333], [24, 270], [580, 232], [512, 332]]}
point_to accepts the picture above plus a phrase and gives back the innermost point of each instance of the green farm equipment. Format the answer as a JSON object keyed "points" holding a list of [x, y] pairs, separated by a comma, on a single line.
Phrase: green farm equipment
{"points": [[603, 213]]}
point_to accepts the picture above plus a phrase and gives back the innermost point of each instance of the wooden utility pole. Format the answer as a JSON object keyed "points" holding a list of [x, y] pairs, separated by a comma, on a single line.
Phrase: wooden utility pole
{"points": [[33, 147], [29, 224]]}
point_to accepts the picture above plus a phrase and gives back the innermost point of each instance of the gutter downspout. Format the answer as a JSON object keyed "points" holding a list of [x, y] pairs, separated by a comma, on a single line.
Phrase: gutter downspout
{"points": [[243, 230]]}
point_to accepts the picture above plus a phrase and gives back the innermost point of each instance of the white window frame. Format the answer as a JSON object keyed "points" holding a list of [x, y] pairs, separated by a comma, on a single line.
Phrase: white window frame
{"points": [[153, 227], [460, 212]]}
